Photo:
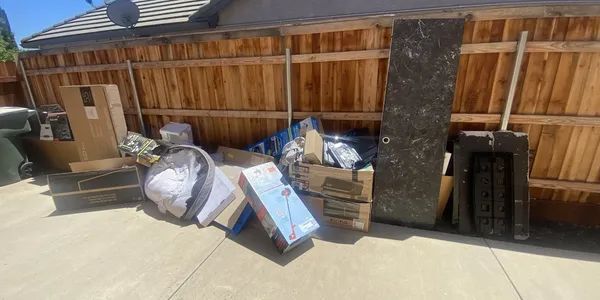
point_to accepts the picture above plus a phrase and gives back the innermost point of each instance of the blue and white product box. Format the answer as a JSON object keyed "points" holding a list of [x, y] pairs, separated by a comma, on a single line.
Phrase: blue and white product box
{"points": [[274, 144], [280, 211]]}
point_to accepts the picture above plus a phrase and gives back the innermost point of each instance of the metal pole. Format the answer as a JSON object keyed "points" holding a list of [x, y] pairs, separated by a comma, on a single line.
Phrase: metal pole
{"points": [[29, 93], [288, 84], [136, 100], [514, 79]]}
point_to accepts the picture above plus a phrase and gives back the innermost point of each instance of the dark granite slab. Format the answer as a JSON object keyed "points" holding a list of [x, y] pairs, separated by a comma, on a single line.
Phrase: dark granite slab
{"points": [[420, 88]]}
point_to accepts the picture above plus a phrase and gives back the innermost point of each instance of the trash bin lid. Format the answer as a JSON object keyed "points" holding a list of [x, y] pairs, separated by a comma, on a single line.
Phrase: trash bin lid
{"points": [[13, 117]]}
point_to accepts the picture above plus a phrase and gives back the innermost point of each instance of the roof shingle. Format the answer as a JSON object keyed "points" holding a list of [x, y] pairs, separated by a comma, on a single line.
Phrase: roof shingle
{"points": [[152, 13]]}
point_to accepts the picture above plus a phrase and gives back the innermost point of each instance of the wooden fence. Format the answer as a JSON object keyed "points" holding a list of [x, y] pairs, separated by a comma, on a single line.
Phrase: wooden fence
{"points": [[10, 88], [232, 91], [552, 83]]}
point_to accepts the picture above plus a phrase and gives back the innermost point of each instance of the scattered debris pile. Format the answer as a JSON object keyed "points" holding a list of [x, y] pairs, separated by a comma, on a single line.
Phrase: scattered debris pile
{"points": [[292, 182]]}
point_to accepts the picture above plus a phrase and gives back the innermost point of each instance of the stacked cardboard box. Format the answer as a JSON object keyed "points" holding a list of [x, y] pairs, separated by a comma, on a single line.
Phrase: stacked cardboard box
{"points": [[337, 197], [340, 213]]}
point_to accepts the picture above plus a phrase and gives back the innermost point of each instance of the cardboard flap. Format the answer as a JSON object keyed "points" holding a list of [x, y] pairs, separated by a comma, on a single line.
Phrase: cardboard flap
{"points": [[102, 164]]}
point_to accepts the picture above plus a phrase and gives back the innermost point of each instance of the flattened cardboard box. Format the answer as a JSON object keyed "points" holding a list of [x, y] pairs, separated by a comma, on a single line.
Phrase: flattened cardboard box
{"points": [[282, 214], [232, 162], [54, 155], [95, 188], [356, 185], [97, 120], [339, 213]]}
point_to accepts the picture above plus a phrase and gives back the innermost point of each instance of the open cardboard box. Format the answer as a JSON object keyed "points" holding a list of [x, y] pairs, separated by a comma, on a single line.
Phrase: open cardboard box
{"points": [[97, 183]]}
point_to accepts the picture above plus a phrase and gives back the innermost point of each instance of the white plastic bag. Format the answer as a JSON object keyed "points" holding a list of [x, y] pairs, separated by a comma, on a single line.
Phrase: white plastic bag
{"points": [[170, 181]]}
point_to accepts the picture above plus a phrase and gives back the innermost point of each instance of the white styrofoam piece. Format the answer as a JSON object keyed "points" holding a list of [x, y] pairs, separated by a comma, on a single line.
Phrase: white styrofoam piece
{"points": [[221, 195]]}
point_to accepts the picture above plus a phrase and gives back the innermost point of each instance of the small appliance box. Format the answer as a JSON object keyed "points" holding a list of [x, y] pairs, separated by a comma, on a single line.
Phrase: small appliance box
{"points": [[339, 213], [97, 187], [355, 185], [97, 120], [177, 133], [274, 144], [280, 211]]}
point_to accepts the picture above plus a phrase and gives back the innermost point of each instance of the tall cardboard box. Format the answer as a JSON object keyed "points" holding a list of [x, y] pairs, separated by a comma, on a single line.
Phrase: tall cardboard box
{"points": [[97, 120]]}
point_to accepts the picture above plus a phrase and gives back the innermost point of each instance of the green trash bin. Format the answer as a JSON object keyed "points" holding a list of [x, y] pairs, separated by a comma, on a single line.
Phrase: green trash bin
{"points": [[13, 161]]}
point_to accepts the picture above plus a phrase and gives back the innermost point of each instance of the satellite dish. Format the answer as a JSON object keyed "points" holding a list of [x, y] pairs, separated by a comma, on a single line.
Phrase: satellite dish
{"points": [[123, 13]]}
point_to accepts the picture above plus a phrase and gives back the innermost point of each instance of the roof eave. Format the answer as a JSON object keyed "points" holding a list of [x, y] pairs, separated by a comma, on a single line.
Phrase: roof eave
{"points": [[115, 35]]}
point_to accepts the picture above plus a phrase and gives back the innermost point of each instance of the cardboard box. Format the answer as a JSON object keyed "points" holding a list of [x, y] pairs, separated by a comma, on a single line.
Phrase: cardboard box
{"points": [[280, 211], [53, 155], [313, 148], [275, 143], [177, 133], [242, 158], [102, 164], [95, 188], [97, 120], [356, 185], [232, 162], [339, 213]]}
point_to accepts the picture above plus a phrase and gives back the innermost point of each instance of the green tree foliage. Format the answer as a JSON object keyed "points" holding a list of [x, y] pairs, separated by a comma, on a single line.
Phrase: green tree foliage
{"points": [[7, 49], [8, 46]]}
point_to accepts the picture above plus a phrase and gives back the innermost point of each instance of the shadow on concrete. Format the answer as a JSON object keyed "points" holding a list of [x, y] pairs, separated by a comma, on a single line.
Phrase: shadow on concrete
{"points": [[254, 238], [558, 240], [57, 213], [576, 243], [544, 251], [151, 210], [546, 240], [40, 180], [338, 236]]}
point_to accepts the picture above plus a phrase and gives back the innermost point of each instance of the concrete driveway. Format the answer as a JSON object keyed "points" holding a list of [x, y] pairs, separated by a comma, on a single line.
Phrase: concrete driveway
{"points": [[134, 252]]}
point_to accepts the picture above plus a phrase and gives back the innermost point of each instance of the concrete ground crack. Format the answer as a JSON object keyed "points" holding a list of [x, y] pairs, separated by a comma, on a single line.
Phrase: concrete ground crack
{"points": [[197, 267], [503, 269]]}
